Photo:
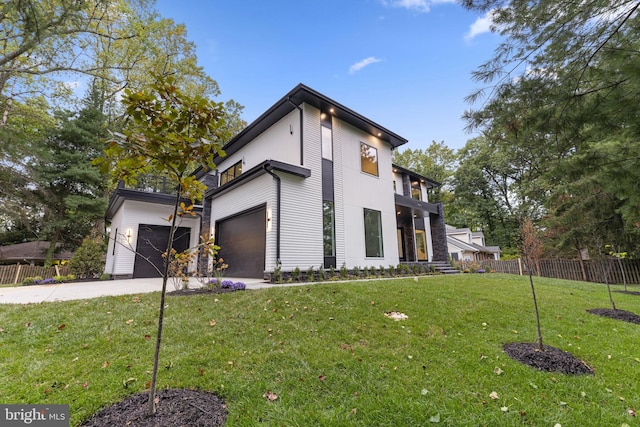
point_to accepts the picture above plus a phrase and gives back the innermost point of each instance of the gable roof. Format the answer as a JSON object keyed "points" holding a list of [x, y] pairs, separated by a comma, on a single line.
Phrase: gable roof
{"points": [[32, 251], [292, 100]]}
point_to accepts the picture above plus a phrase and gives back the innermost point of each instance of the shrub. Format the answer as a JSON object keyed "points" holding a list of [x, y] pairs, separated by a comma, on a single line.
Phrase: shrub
{"points": [[392, 270], [382, 272], [212, 284], [321, 273], [344, 272], [277, 274], [310, 274], [88, 260], [295, 274], [234, 286], [356, 271]]}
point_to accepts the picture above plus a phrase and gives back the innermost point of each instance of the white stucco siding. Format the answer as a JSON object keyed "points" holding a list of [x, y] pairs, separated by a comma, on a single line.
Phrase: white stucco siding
{"points": [[257, 192], [362, 190], [127, 220], [280, 142]]}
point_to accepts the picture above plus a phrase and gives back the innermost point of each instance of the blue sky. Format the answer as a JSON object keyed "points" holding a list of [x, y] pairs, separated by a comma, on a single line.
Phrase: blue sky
{"points": [[405, 64]]}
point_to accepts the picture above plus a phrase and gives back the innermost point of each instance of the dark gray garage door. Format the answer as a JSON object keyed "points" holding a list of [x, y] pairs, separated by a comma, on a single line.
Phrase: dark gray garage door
{"points": [[151, 244], [242, 241]]}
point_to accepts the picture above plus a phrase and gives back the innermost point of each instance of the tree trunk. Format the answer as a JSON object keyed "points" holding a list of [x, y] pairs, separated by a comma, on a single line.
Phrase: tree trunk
{"points": [[165, 276], [535, 305]]}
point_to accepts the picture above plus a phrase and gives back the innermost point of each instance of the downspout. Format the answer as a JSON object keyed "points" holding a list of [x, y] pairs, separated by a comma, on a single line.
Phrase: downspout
{"points": [[278, 203], [301, 134]]}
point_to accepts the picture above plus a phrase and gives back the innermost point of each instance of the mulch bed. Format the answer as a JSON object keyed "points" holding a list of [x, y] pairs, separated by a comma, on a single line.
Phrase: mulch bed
{"points": [[551, 359], [618, 314], [175, 408], [629, 292]]}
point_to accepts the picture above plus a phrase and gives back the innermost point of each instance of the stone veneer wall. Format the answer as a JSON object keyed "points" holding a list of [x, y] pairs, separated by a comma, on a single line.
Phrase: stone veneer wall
{"points": [[439, 235]]}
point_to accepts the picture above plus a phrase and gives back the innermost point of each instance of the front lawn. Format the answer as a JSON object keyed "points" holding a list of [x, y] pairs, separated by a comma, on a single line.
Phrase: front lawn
{"points": [[329, 356]]}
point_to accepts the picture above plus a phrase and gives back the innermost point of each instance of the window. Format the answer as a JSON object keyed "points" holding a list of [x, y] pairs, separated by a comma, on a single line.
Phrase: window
{"points": [[327, 146], [369, 159], [231, 173], [373, 234], [328, 229], [416, 192]]}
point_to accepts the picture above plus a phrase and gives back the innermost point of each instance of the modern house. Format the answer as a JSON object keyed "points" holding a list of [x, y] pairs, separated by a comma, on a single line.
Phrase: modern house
{"points": [[309, 183], [467, 245]]}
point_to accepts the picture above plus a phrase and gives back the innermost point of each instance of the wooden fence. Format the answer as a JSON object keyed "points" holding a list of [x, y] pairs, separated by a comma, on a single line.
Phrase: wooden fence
{"points": [[16, 273], [615, 270]]}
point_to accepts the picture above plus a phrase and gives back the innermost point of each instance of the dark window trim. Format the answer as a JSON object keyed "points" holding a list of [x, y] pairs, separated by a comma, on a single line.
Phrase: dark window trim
{"points": [[377, 174], [380, 230], [225, 175]]}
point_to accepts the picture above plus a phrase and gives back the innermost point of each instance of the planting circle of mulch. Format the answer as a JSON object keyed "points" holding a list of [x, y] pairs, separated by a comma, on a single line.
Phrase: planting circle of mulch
{"points": [[550, 359], [628, 292], [175, 408], [617, 314]]}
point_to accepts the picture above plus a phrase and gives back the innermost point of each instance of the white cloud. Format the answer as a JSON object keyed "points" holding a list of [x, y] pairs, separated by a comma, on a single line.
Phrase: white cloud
{"points": [[416, 5], [480, 26], [361, 64]]}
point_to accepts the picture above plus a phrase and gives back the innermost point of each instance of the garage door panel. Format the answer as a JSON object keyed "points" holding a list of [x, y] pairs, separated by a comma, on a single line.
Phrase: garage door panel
{"points": [[151, 244], [242, 241]]}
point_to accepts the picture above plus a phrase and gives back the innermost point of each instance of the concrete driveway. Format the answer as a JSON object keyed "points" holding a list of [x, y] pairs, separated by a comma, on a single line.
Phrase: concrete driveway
{"points": [[84, 290]]}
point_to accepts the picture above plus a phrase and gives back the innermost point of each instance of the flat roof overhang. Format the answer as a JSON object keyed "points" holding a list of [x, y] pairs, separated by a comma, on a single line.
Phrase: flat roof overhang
{"points": [[417, 208]]}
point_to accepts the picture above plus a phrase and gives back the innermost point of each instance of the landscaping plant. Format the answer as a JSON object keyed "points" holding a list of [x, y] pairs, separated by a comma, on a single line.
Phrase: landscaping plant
{"points": [[88, 260], [531, 248], [166, 133]]}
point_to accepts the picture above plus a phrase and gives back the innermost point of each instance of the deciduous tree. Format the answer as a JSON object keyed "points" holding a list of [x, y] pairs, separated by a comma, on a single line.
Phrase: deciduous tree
{"points": [[166, 131]]}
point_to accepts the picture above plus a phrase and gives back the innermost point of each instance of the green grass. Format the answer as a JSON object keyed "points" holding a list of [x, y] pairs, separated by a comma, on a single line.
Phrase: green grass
{"points": [[332, 357]]}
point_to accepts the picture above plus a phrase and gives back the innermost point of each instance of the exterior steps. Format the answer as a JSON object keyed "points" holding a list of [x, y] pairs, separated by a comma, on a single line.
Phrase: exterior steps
{"points": [[440, 266]]}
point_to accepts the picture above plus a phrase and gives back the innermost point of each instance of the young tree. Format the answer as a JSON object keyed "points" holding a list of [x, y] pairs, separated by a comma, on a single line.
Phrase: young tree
{"points": [[531, 248], [166, 131]]}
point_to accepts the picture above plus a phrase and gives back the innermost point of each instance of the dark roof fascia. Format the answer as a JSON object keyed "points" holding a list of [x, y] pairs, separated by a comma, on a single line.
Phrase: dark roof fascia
{"points": [[410, 203], [417, 175], [255, 172], [122, 194], [296, 97]]}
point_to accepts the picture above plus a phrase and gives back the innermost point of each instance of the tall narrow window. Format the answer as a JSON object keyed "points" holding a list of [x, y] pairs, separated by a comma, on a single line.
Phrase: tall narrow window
{"points": [[328, 229], [373, 233], [327, 144], [369, 159], [416, 192]]}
